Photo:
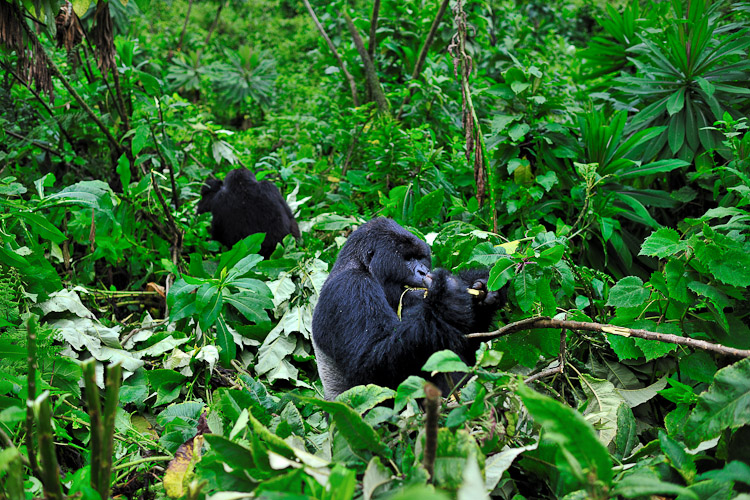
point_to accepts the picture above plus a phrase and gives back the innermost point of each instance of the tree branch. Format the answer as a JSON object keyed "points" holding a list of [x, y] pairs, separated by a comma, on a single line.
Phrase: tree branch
{"points": [[423, 54], [373, 29], [349, 77], [546, 322], [373, 83]]}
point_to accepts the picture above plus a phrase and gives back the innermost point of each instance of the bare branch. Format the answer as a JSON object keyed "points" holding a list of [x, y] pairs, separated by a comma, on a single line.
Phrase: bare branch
{"points": [[349, 77], [546, 322]]}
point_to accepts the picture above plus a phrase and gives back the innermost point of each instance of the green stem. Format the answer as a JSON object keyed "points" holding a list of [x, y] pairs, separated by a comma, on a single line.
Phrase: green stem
{"points": [[50, 470], [95, 444]]}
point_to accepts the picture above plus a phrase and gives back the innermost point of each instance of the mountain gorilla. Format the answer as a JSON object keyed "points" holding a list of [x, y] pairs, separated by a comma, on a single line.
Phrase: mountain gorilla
{"points": [[242, 206], [357, 334]]}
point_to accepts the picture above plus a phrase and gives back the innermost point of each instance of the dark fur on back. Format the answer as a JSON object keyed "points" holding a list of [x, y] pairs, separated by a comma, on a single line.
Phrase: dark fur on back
{"points": [[357, 334], [242, 206]]}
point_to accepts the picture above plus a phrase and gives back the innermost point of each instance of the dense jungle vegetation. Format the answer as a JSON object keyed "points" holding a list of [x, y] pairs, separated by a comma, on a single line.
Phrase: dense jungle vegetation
{"points": [[595, 155]]}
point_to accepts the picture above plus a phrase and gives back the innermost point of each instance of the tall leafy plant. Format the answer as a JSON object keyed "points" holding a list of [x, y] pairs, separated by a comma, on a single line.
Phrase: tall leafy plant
{"points": [[688, 75]]}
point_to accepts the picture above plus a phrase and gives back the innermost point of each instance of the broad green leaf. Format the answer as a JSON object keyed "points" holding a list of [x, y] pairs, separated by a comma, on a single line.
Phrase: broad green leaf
{"points": [[628, 292], [251, 305], [429, 206], [676, 101], [365, 397], [409, 389], [445, 361], [167, 383], [572, 432], [627, 434], [678, 457], [525, 286], [376, 475], [652, 168], [342, 483], [227, 347], [677, 281], [644, 485], [654, 349], [87, 193], [350, 424], [551, 256], [602, 405], [517, 131], [498, 463], [500, 274], [453, 452], [725, 405], [733, 268], [43, 227]]}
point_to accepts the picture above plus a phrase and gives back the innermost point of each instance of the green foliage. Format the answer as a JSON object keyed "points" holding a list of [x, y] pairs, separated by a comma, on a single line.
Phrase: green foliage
{"points": [[622, 199]]}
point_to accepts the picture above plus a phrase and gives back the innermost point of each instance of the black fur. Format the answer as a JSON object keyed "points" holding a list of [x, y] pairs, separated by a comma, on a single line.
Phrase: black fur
{"points": [[242, 206], [357, 335]]}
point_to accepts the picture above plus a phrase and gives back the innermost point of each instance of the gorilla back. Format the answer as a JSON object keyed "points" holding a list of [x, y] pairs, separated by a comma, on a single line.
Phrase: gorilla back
{"points": [[242, 206], [357, 334]]}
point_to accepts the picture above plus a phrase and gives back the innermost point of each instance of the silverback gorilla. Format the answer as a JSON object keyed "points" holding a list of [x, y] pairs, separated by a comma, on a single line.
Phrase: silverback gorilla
{"points": [[357, 335], [242, 206]]}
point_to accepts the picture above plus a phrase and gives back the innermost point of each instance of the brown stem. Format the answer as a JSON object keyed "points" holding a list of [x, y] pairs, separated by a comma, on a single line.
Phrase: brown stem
{"points": [[432, 412], [211, 30], [184, 26], [560, 362], [423, 53], [545, 322], [322, 31], [373, 29], [373, 83], [35, 143]]}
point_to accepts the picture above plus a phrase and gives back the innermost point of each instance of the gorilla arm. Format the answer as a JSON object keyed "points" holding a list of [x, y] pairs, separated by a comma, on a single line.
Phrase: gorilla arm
{"points": [[360, 339]]}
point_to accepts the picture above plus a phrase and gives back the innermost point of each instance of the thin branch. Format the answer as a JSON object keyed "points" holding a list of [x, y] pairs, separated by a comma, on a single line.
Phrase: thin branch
{"points": [[423, 53], [322, 31], [546, 322], [373, 29], [184, 26], [35, 143], [371, 76], [560, 362], [56, 71], [38, 98]]}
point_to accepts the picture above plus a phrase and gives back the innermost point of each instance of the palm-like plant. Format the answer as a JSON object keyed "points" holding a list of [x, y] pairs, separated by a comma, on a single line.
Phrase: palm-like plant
{"points": [[248, 75], [688, 75]]}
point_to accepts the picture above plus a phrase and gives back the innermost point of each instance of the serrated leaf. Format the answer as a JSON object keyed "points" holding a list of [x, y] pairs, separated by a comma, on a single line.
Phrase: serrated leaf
{"points": [[726, 404], [365, 397], [628, 292], [733, 268], [663, 243]]}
